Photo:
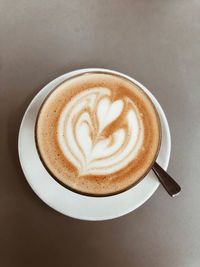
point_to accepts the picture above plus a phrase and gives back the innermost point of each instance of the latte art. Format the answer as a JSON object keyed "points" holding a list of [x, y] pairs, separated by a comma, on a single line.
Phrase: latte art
{"points": [[98, 134]]}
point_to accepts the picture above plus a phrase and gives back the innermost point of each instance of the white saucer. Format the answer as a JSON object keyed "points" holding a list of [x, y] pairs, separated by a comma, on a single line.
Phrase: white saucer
{"points": [[66, 201]]}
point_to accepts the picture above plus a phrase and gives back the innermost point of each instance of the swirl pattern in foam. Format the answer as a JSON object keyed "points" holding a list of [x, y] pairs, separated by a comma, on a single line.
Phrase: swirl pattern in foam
{"points": [[98, 134]]}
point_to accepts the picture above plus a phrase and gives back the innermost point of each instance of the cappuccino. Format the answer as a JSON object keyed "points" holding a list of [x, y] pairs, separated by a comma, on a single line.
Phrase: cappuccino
{"points": [[98, 133]]}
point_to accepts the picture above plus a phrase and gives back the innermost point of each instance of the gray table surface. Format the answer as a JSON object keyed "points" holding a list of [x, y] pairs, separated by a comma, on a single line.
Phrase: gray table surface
{"points": [[157, 43]]}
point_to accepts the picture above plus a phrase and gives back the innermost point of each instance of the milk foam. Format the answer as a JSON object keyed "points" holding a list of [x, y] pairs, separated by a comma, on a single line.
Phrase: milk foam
{"points": [[98, 134]]}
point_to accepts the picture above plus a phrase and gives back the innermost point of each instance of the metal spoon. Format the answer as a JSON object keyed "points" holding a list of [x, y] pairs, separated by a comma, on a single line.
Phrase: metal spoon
{"points": [[166, 180]]}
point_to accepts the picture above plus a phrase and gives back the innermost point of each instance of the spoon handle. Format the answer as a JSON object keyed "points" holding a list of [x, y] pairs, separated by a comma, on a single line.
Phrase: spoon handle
{"points": [[166, 180]]}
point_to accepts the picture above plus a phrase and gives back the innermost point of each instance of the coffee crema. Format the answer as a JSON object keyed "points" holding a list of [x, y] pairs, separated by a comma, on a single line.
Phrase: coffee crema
{"points": [[98, 133]]}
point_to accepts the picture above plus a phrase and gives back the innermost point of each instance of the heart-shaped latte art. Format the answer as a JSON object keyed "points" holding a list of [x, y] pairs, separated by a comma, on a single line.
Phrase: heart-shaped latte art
{"points": [[100, 134]]}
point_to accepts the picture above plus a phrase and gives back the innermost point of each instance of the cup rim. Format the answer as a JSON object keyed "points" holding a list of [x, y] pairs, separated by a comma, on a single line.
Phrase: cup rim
{"points": [[122, 76]]}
